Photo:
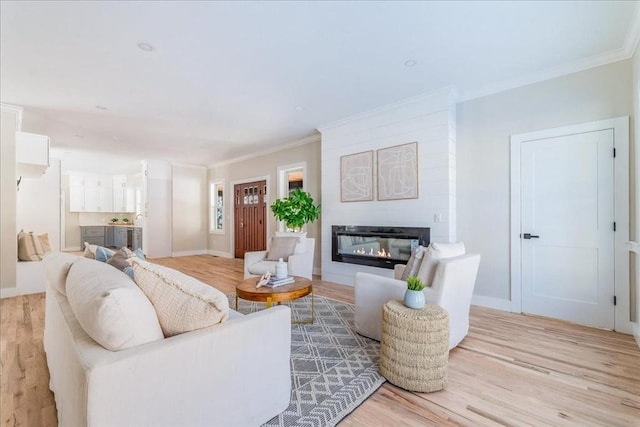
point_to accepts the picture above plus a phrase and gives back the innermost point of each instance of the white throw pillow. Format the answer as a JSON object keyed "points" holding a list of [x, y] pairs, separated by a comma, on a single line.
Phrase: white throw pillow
{"points": [[414, 263], [110, 307], [182, 302], [435, 252], [301, 246], [281, 247], [56, 267]]}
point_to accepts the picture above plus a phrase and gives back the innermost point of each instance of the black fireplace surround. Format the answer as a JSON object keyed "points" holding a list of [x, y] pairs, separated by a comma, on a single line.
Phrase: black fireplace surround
{"points": [[376, 246]]}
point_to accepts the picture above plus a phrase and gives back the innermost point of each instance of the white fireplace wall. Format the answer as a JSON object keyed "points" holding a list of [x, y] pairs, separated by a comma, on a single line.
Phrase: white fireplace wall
{"points": [[428, 120]]}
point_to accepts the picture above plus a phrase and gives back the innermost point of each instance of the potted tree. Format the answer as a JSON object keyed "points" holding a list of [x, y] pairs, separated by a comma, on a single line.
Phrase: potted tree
{"points": [[296, 210], [414, 297]]}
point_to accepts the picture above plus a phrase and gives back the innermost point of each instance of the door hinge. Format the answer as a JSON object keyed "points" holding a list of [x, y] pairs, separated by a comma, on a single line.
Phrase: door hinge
{"points": [[614, 226], [615, 300], [614, 152]]}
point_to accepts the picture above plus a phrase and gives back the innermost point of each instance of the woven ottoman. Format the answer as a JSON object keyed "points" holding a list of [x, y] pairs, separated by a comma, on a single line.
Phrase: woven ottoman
{"points": [[415, 346]]}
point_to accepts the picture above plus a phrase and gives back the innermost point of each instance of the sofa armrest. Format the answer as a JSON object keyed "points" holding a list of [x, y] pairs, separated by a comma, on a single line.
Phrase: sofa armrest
{"points": [[301, 265], [371, 292], [251, 258], [235, 373]]}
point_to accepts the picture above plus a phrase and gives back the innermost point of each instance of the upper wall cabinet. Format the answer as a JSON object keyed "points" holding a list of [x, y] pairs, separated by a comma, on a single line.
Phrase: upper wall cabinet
{"points": [[124, 194], [90, 193], [32, 154]]}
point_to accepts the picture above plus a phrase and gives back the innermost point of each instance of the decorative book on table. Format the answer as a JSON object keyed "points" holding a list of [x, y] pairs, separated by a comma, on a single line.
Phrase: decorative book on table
{"points": [[274, 282]]}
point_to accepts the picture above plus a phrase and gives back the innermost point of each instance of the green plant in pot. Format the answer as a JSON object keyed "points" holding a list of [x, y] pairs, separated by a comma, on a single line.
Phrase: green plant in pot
{"points": [[414, 297], [296, 210], [114, 220]]}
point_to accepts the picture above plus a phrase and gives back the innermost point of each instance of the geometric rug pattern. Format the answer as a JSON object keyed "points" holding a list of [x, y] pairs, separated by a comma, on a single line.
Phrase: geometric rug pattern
{"points": [[333, 369]]}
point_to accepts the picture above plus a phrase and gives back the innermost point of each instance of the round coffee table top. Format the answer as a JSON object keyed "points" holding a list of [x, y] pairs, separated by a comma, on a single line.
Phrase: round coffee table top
{"points": [[247, 290]]}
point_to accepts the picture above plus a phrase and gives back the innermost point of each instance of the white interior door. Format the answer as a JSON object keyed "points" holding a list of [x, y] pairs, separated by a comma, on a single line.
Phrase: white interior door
{"points": [[567, 236]]}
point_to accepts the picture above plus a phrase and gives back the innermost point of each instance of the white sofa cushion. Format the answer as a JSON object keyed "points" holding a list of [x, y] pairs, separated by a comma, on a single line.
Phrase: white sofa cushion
{"points": [[56, 266], [435, 252], [110, 307], [182, 303]]}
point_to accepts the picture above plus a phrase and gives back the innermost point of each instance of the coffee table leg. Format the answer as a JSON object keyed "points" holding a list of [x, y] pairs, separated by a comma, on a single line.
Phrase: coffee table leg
{"points": [[306, 321], [236, 302]]}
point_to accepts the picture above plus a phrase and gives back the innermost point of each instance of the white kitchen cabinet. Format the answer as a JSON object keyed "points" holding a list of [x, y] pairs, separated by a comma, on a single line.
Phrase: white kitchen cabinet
{"points": [[32, 154], [90, 193], [124, 194]]}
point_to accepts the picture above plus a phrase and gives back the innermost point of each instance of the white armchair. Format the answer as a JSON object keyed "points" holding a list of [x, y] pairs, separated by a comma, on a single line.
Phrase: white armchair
{"points": [[451, 289], [300, 264]]}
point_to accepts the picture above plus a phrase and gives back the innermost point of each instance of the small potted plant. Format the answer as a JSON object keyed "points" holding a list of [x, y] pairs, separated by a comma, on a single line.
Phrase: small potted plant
{"points": [[125, 220], [296, 210], [414, 297], [114, 221]]}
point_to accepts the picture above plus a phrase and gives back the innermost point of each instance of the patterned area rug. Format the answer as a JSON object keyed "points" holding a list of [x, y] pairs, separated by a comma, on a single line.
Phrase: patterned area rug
{"points": [[333, 369]]}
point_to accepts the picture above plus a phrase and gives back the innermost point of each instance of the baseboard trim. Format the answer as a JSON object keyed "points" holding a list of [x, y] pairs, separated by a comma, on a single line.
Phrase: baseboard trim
{"points": [[72, 248], [491, 302], [8, 292], [189, 253], [221, 254]]}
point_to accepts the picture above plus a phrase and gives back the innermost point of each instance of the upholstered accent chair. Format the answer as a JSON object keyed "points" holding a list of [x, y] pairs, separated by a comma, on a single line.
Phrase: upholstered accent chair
{"points": [[299, 258], [449, 275]]}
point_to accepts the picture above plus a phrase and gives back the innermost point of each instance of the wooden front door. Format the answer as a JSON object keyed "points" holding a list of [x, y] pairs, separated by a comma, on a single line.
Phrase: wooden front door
{"points": [[250, 210]]}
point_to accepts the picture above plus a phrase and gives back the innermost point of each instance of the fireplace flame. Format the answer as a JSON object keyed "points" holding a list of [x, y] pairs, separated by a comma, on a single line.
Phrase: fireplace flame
{"points": [[381, 253]]}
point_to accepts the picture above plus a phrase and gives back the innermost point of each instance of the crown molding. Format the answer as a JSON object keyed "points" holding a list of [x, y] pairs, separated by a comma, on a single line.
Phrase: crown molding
{"points": [[292, 144], [189, 165], [625, 52], [548, 74], [450, 91]]}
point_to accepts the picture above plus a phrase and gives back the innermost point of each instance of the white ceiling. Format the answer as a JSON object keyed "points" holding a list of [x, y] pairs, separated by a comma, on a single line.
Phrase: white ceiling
{"points": [[231, 79]]}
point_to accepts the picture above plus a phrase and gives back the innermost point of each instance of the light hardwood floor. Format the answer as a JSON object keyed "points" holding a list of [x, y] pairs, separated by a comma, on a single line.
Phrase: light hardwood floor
{"points": [[510, 370]]}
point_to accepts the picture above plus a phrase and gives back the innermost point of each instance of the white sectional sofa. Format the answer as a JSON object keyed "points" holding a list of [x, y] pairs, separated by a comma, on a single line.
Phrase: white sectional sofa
{"points": [[234, 373]]}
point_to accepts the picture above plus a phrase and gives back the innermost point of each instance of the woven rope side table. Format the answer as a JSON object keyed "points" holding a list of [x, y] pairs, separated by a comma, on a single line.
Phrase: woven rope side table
{"points": [[415, 346]]}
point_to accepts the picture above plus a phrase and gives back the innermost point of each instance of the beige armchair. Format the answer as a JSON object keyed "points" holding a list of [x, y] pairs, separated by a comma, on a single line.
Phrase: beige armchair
{"points": [[451, 289], [300, 264]]}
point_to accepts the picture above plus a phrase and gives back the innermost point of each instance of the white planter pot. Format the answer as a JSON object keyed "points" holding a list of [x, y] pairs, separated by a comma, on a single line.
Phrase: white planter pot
{"points": [[414, 299]]}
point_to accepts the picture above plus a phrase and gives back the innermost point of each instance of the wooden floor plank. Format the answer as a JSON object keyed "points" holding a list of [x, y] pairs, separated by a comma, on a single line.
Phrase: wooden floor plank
{"points": [[512, 369]]}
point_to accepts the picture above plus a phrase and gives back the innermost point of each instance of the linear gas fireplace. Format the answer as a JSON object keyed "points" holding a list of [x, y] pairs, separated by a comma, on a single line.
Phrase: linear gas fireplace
{"points": [[376, 246]]}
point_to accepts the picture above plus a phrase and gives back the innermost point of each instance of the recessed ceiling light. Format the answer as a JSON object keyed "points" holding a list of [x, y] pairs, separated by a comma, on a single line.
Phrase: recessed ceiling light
{"points": [[299, 108], [146, 47], [101, 107], [410, 63]]}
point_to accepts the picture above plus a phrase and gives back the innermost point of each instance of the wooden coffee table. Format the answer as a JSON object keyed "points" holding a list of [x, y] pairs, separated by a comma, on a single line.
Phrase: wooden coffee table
{"points": [[300, 288]]}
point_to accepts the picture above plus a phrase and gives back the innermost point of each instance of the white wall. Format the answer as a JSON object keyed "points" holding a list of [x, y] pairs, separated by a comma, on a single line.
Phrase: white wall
{"points": [[484, 128], [38, 204], [190, 213], [430, 121]]}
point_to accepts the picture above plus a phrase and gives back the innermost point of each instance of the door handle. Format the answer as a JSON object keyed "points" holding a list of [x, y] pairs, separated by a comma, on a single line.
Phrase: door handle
{"points": [[530, 236]]}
